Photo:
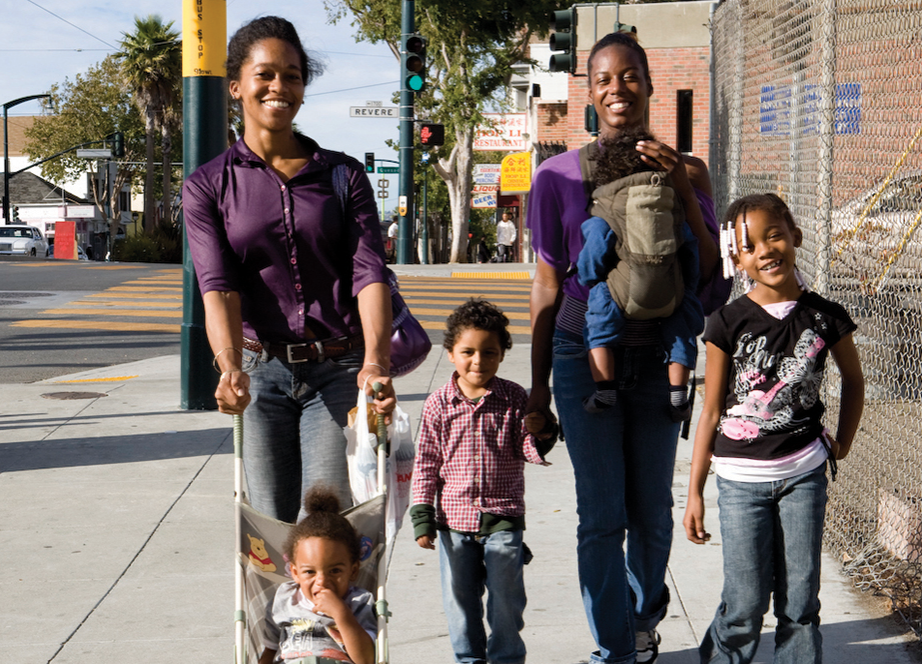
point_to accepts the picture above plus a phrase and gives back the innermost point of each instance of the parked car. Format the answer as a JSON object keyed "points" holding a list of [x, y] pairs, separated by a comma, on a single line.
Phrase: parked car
{"points": [[875, 236], [81, 254], [22, 241]]}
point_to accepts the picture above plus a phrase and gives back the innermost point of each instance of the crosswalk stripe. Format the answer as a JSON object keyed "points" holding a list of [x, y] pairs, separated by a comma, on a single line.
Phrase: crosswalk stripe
{"points": [[117, 326]]}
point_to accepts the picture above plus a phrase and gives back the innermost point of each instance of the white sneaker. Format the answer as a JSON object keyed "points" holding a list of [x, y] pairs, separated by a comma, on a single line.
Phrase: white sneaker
{"points": [[646, 644]]}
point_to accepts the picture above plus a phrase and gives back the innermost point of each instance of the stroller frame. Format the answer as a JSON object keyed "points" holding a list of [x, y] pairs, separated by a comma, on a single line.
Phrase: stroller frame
{"points": [[381, 608]]}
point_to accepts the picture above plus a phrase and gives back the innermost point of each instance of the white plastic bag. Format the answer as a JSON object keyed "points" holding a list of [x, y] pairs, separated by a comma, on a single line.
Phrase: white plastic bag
{"points": [[362, 459]]}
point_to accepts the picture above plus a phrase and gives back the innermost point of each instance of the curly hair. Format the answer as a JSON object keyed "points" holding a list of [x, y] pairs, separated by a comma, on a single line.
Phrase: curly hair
{"points": [[323, 520], [618, 155], [477, 315], [626, 39], [267, 27]]}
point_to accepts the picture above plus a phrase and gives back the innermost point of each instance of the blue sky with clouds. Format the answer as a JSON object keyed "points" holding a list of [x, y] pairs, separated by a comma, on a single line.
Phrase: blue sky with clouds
{"points": [[45, 41]]}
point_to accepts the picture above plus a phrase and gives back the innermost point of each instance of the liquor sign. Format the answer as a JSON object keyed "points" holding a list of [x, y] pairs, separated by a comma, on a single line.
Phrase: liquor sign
{"points": [[506, 132]]}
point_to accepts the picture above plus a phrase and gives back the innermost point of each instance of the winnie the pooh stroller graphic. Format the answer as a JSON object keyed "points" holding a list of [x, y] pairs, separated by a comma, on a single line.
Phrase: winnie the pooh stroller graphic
{"points": [[260, 564]]}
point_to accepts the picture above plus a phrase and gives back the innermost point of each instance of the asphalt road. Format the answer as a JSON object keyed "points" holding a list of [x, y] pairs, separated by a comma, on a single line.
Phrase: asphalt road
{"points": [[59, 317]]}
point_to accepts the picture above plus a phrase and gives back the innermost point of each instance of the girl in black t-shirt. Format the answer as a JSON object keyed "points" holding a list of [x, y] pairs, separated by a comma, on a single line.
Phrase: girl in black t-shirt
{"points": [[761, 428]]}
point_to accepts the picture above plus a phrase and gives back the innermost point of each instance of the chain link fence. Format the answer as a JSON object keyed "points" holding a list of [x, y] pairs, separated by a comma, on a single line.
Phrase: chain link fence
{"points": [[820, 101]]}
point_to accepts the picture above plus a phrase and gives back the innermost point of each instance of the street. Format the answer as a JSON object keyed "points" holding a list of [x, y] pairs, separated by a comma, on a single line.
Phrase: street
{"points": [[58, 317]]}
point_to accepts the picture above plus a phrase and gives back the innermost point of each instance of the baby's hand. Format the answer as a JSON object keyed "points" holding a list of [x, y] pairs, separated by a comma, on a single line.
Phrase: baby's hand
{"points": [[426, 542], [329, 603]]}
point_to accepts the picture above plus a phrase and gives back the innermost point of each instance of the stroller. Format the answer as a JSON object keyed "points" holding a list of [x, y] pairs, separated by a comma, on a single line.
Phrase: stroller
{"points": [[260, 565]]}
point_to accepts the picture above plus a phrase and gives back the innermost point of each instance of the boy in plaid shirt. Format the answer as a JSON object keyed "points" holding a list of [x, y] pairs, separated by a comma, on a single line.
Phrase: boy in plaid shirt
{"points": [[469, 487]]}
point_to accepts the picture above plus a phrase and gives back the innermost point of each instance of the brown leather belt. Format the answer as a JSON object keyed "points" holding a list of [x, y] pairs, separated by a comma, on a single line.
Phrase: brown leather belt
{"points": [[313, 351]]}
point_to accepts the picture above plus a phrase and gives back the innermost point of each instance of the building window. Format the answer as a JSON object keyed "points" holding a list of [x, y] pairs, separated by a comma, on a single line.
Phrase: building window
{"points": [[684, 114]]}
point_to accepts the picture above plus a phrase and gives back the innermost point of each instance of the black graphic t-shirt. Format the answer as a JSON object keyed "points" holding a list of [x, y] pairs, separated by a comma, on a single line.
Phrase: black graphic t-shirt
{"points": [[776, 369]]}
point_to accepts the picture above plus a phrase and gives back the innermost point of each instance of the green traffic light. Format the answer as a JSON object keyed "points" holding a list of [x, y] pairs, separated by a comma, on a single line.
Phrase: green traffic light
{"points": [[415, 82]]}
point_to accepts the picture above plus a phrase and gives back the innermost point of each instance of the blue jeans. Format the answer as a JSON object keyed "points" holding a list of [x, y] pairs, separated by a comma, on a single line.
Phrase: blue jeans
{"points": [[470, 563], [772, 536], [623, 460], [293, 430]]}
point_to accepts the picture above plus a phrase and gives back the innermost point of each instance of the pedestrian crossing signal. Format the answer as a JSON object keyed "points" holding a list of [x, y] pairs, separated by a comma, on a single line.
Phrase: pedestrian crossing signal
{"points": [[432, 135]]}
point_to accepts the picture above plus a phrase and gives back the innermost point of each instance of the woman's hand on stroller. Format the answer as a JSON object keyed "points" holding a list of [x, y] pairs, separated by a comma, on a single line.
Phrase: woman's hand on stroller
{"points": [[385, 399], [233, 392]]}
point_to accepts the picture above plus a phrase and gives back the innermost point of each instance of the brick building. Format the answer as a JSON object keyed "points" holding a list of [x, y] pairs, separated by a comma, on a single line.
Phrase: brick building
{"points": [[677, 41]]}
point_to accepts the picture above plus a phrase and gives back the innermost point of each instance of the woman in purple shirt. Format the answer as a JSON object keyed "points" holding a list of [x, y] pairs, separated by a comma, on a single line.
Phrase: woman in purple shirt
{"points": [[622, 457], [294, 283]]}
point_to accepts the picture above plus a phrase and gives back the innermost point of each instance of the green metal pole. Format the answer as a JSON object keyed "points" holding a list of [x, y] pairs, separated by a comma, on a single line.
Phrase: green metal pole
{"points": [[204, 137], [405, 205]]}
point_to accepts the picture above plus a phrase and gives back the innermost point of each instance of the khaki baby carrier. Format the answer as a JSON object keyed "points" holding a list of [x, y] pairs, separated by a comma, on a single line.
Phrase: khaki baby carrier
{"points": [[646, 215]]}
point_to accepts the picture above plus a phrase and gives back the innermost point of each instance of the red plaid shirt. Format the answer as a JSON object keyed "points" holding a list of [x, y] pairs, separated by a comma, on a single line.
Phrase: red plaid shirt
{"points": [[470, 457]]}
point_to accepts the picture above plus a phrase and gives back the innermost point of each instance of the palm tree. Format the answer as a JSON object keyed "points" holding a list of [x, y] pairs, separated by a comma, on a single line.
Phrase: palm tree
{"points": [[151, 59]]}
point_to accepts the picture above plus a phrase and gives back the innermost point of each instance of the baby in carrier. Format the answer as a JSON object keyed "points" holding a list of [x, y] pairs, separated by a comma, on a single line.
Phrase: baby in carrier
{"points": [[640, 261]]}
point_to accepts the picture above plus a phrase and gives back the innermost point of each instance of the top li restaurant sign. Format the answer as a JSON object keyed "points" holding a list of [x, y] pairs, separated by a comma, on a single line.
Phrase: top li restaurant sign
{"points": [[506, 134]]}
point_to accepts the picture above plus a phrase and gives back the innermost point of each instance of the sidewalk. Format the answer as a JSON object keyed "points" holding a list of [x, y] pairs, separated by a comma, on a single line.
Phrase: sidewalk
{"points": [[121, 508]]}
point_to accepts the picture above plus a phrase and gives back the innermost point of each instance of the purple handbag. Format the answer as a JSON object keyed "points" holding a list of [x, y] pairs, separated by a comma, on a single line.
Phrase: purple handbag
{"points": [[410, 343]]}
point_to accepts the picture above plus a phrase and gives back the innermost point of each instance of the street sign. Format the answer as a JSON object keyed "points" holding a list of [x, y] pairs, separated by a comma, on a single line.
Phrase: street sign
{"points": [[373, 112], [95, 154], [383, 182], [388, 169]]}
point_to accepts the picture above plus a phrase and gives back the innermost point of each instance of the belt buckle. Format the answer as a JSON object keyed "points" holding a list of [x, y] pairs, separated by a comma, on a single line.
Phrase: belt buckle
{"points": [[288, 348], [320, 355]]}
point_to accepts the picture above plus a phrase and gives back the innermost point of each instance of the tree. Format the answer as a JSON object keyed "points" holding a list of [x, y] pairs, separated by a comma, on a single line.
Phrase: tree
{"points": [[472, 46], [89, 108], [151, 60]]}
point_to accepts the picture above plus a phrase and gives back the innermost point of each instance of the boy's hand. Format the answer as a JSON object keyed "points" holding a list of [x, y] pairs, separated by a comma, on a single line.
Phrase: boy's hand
{"points": [[694, 521], [426, 542]]}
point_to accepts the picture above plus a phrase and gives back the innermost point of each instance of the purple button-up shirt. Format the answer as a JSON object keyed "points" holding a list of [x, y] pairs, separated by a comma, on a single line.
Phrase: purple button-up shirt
{"points": [[297, 261]]}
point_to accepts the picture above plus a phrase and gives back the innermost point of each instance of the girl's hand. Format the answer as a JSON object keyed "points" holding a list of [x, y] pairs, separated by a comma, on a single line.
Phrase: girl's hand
{"points": [[694, 521], [233, 392], [426, 542], [836, 448]]}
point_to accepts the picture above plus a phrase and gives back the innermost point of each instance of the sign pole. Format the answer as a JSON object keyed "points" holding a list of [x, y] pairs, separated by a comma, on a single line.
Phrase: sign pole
{"points": [[204, 49]]}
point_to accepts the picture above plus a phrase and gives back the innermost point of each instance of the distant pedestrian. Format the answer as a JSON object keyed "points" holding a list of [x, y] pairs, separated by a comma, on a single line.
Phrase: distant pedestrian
{"points": [[391, 247], [469, 487], [762, 430], [505, 238]]}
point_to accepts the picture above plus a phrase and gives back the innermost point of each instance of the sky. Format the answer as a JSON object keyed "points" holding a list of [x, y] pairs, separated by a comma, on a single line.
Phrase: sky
{"points": [[42, 42]]}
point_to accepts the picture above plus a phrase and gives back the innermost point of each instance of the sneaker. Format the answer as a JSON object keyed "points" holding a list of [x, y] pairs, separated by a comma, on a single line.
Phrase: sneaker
{"points": [[647, 646]]}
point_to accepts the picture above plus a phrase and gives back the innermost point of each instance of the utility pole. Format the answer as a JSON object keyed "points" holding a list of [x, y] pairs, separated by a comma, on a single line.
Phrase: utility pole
{"points": [[204, 49]]}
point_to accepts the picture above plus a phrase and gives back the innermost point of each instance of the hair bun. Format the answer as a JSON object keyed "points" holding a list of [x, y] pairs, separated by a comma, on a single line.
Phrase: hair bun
{"points": [[321, 499]]}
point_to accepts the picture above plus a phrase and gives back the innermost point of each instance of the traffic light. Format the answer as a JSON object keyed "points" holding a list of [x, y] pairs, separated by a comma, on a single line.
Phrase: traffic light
{"points": [[432, 135], [369, 162], [118, 144], [563, 23], [414, 62], [591, 120]]}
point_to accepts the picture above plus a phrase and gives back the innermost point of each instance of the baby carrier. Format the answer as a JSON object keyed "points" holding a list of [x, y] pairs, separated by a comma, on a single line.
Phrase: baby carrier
{"points": [[646, 215]]}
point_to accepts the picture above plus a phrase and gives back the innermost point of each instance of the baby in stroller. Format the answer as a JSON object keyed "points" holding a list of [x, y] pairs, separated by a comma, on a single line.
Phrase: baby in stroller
{"points": [[320, 613]]}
